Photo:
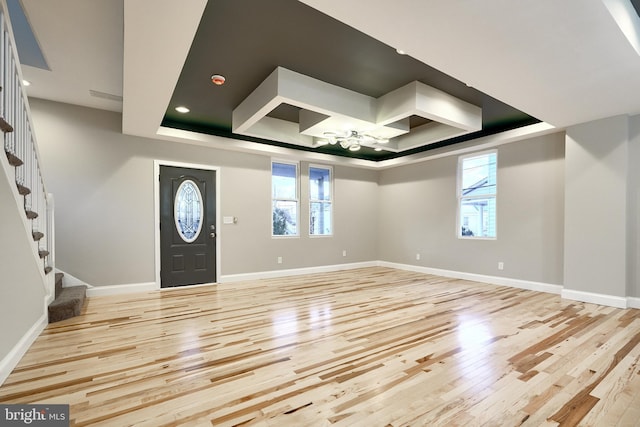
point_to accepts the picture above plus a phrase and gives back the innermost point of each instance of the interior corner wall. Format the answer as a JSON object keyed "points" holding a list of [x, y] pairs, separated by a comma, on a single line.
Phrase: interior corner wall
{"points": [[103, 184], [633, 209], [596, 226], [418, 209]]}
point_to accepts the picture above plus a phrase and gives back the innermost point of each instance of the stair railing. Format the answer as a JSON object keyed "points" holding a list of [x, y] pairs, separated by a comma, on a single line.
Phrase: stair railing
{"points": [[21, 147]]}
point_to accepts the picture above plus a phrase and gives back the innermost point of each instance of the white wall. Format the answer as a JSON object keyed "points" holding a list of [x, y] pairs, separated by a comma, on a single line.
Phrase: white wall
{"points": [[418, 209], [103, 185]]}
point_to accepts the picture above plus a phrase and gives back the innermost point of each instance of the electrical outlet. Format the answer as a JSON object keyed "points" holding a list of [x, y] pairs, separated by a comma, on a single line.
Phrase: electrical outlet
{"points": [[344, 252], [417, 257], [501, 265], [279, 260]]}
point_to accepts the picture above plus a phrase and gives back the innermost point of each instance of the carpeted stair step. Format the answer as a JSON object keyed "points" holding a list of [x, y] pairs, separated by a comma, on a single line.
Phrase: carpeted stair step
{"points": [[5, 126], [13, 159], [68, 304], [22, 190], [58, 288]]}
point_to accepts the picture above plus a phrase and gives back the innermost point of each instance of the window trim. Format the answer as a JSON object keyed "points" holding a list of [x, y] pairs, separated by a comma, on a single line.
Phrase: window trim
{"points": [[459, 196], [297, 199], [330, 201]]}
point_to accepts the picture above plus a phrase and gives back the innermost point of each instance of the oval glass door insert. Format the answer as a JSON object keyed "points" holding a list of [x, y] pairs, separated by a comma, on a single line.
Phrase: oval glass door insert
{"points": [[188, 210]]}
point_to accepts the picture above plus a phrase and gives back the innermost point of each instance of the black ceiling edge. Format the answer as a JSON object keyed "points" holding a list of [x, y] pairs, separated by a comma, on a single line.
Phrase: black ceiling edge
{"points": [[374, 156], [636, 6], [228, 134]]}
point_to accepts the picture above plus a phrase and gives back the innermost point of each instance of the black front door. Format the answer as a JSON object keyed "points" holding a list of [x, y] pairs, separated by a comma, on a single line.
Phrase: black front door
{"points": [[187, 226]]}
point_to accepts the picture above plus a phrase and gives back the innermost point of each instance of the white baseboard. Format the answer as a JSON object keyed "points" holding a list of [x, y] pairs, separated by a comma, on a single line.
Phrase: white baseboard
{"points": [[602, 299], [608, 300], [11, 360], [494, 280], [121, 289], [230, 278]]}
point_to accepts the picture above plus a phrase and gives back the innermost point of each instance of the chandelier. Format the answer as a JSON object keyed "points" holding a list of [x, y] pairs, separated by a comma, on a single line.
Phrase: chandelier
{"points": [[351, 140]]}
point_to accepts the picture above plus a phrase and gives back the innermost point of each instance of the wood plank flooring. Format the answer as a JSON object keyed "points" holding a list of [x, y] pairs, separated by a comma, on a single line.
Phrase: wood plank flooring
{"points": [[367, 347]]}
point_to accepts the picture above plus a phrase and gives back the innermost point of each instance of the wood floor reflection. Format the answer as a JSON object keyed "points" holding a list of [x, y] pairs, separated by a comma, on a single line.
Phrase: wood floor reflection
{"points": [[367, 347]]}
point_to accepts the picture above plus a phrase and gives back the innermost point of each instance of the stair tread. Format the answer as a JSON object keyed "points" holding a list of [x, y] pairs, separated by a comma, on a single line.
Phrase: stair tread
{"points": [[67, 304], [22, 190], [43, 253], [5, 126], [37, 235], [31, 214], [14, 160], [68, 294]]}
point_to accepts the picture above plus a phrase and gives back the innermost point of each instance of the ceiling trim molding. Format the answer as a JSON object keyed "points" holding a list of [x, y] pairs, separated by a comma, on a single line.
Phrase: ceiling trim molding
{"points": [[482, 143]]}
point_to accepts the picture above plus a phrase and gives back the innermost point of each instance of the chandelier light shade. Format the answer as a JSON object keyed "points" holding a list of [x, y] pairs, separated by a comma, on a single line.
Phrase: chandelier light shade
{"points": [[351, 140]]}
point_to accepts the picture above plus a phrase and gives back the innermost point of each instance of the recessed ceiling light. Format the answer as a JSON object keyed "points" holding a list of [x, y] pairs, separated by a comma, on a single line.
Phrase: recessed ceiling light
{"points": [[182, 109], [217, 79], [401, 52], [26, 83]]}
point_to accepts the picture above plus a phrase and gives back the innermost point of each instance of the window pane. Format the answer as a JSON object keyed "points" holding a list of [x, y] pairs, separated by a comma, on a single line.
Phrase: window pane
{"points": [[283, 181], [320, 218], [285, 218], [479, 175], [478, 217], [319, 184], [188, 211]]}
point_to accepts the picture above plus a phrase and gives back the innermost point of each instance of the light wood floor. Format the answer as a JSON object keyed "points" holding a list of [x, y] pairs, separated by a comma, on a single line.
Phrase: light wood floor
{"points": [[367, 347]]}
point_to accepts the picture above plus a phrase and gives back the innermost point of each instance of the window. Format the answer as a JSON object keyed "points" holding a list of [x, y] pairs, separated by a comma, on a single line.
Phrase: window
{"points": [[188, 211], [320, 201], [284, 196], [477, 195]]}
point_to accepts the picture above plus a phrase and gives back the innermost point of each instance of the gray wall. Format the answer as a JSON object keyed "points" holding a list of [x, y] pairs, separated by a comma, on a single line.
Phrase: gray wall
{"points": [[596, 186], [633, 210], [103, 184], [418, 208], [22, 290], [103, 187]]}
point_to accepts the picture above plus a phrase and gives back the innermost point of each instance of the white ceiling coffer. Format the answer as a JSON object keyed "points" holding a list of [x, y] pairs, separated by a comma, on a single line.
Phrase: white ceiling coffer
{"points": [[327, 111]]}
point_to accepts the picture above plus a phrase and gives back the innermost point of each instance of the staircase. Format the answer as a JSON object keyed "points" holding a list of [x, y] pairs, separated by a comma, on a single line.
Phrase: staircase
{"points": [[21, 152], [23, 168], [68, 302]]}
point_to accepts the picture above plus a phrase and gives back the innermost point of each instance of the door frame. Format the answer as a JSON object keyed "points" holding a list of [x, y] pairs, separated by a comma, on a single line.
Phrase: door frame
{"points": [[156, 207]]}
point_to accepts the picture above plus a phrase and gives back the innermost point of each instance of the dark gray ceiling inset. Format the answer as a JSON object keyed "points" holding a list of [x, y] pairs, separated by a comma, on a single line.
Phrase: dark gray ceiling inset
{"points": [[246, 40]]}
